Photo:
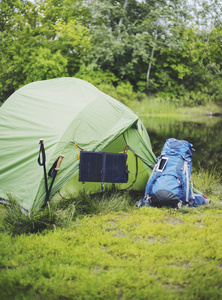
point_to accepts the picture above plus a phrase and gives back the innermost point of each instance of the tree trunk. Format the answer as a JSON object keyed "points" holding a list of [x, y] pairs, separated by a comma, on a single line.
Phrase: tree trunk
{"points": [[151, 58], [121, 20]]}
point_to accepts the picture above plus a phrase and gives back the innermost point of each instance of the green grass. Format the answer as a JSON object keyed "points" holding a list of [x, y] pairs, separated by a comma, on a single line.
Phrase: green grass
{"points": [[62, 213], [185, 105], [209, 182], [147, 253], [153, 106], [103, 247]]}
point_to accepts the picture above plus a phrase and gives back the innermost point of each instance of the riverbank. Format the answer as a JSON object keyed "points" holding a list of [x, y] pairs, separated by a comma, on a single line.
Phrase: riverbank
{"points": [[158, 107]]}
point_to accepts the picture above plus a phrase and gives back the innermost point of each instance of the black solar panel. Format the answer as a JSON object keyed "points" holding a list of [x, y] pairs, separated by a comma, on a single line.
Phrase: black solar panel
{"points": [[103, 167]]}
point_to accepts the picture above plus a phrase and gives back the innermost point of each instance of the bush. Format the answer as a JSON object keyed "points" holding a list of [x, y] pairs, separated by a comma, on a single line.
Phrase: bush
{"points": [[96, 76], [123, 92]]}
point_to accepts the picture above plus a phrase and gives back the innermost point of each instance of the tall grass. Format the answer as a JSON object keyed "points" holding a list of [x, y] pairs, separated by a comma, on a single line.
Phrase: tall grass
{"points": [[63, 212], [209, 182], [153, 106], [162, 103], [66, 211]]}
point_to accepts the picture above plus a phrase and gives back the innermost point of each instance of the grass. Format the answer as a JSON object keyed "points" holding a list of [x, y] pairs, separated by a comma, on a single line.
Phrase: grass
{"points": [[104, 247], [209, 182], [207, 109], [62, 213], [146, 253], [184, 106], [154, 106]]}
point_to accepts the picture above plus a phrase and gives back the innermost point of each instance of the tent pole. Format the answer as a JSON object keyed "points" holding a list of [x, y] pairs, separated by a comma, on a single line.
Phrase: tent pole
{"points": [[42, 151], [53, 179]]}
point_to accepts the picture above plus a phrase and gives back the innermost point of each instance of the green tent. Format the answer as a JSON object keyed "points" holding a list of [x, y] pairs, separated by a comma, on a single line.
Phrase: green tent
{"points": [[65, 112]]}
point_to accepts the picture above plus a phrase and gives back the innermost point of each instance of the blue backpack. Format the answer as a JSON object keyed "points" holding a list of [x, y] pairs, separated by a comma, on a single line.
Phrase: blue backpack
{"points": [[169, 183]]}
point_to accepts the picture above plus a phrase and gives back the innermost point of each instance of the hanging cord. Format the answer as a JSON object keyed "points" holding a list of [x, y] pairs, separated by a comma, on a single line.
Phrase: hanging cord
{"points": [[126, 149], [151, 166], [41, 162], [135, 174], [77, 146]]}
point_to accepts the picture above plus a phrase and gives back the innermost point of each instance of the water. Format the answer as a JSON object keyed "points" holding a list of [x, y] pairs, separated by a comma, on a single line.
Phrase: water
{"points": [[205, 133]]}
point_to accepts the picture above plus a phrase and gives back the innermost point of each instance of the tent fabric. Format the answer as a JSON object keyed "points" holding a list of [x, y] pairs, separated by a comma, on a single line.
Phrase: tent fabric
{"points": [[62, 111]]}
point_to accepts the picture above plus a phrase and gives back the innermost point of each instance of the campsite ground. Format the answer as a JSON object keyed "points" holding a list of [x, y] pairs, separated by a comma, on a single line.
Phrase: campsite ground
{"points": [[139, 254], [109, 249], [106, 248]]}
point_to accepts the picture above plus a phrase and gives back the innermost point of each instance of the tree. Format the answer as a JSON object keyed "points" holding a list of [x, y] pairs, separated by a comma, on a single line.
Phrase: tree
{"points": [[72, 39], [156, 45], [16, 42], [40, 40], [43, 64], [127, 34]]}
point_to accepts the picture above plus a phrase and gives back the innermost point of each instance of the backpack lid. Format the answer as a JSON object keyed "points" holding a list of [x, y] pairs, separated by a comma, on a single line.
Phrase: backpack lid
{"points": [[174, 146]]}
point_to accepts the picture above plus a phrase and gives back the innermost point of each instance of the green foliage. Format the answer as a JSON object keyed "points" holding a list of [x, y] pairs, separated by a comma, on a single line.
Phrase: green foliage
{"points": [[123, 92], [73, 40], [73, 36], [17, 46], [45, 65], [41, 41], [108, 83], [152, 46], [96, 76]]}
